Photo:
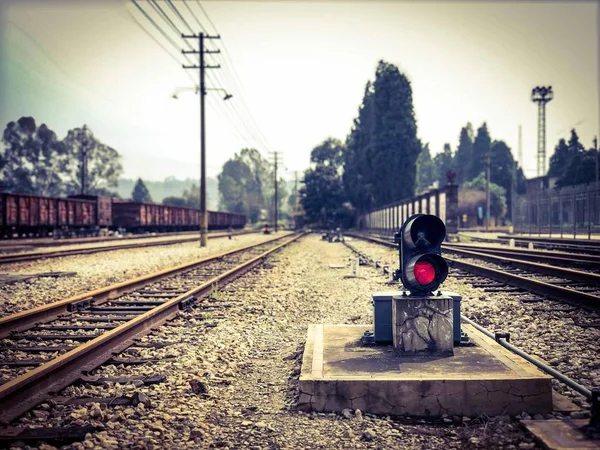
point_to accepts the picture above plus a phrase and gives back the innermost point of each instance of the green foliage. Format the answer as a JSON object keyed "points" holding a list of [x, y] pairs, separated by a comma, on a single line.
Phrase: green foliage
{"points": [[426, 169], [443, 163], [395, 146], [172, 187], [481, 148], [246, 185], [357, 176], [502, 169], [497, 194], [192, 196], [464, 154], [140, 193], [32, 160], [382, 146], [102, 166], [571, 163], [174, 201], [322, 196]]}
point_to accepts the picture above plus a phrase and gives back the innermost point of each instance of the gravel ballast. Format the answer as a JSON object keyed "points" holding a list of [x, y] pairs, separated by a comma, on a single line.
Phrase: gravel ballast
{"points": [[232, 372], [545, 329], [102, 269]]}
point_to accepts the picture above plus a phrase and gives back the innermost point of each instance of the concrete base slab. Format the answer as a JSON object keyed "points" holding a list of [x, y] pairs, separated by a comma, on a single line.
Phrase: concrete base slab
{"points": [[562, 404], [561, 434], [339, 372]]}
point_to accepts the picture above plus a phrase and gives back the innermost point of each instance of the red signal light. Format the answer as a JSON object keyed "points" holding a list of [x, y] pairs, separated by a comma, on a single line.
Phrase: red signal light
{"points": [[424, 272]]}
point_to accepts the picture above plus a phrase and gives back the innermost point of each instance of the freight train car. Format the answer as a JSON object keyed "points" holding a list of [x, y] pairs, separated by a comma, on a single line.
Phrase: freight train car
{"points": [[218, 220], [24, 214], [151, 217], [34, 214]]}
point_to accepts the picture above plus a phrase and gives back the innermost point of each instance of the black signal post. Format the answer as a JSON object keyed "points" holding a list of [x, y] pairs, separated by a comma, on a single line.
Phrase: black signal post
{"points": [[422, 268]]}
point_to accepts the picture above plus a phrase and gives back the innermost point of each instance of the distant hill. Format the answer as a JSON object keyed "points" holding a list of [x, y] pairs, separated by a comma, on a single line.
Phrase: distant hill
{"points": [[171, 187]]}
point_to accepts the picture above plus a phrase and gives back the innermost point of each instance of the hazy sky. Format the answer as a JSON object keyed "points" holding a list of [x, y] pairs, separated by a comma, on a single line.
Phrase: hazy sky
{"points": [[303, 67]]}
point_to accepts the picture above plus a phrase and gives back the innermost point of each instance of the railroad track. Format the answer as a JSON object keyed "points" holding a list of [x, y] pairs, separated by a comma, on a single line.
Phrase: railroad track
{"points": [[7, 245], [35, 255], [558, 258], [544, 324], [591, 247], [558, 283], [55, 344]]}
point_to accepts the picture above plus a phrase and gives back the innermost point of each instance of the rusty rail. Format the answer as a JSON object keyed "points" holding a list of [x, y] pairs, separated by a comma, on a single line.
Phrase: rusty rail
{"points": [[21, 394]]}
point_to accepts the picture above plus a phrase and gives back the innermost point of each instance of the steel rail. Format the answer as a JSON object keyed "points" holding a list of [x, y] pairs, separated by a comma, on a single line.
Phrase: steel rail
{"points": [[531, 255], [549, 290], [20, 394], [561, 272], [566, 241], [50, 311], [539, 364], [33, 256], [57, 242], [588, 247]]}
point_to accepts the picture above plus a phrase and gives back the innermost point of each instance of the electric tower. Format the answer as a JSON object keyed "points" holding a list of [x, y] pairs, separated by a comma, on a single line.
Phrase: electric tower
{"points": [[541, 95]]}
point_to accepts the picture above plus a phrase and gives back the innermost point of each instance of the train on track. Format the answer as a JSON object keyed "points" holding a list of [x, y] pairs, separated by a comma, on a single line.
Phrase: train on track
{"points": [[26, 214]]}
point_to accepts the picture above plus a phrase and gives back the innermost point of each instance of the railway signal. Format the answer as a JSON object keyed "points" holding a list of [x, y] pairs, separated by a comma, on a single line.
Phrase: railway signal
{"points": [[422, 268]]}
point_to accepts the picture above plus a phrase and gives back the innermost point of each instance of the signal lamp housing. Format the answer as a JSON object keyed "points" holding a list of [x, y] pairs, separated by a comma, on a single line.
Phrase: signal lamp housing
{"points": [[422, 268]]}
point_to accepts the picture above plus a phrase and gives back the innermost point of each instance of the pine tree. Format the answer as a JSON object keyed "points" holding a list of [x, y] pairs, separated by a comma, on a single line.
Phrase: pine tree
{"points": [[357, 167], [395, 146], [464, 153], [481, 148], [502, 168], [560, 160], [140, 193], [443, 163], [579, 164], [426, 169]]}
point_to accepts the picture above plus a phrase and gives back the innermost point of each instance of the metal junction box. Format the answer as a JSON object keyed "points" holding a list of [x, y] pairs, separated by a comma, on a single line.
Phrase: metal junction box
{"points": [[382, 313]]}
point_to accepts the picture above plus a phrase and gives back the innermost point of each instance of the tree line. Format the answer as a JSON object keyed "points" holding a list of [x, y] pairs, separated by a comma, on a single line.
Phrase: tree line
{"points": [[33, 160], [572, 164], [247, 186], [382, 159]]}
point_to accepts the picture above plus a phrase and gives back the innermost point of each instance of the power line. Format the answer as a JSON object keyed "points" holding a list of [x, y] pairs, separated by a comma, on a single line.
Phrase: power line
{"points": [[232, 113], [236, 81], [194, 16], [171, 41], [174, 8], [177, 60]]}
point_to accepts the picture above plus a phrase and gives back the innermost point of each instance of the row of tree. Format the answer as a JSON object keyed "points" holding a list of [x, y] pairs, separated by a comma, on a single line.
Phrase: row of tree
{"points": [[572, 164], [469, 164], [383, 161], [247, 186], [34, 161]]}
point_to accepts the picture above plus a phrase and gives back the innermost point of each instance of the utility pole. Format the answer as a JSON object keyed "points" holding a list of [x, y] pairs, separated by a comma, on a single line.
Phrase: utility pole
{"points": [[513, 196], [276, 195], [295, 211], [520, 146], [487, 192], [84, 150], [83, 164], [596, 149], [597, 188], [202, 66], [541, 95]]}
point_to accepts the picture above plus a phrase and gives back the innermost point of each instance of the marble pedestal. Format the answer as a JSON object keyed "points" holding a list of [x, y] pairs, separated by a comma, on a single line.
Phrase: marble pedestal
{"points": [[422, 326]]}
